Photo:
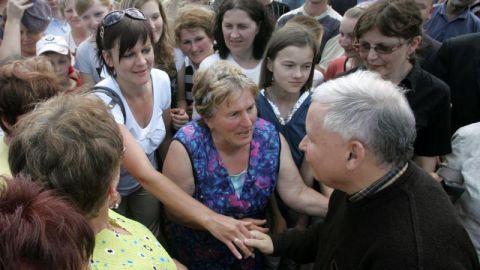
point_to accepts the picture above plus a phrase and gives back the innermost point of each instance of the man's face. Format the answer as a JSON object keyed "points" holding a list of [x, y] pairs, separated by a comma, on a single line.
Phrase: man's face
{"points": [[460, 4], [425, 7], [326, 152]]}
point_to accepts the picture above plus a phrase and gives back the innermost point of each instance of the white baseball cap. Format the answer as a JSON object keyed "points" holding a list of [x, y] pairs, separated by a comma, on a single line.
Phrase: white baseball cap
{"points": [[51, 43]]}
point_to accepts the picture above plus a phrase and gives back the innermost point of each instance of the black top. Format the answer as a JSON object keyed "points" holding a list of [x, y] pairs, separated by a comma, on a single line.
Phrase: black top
{"points": [[409, 225], [427, 52], [458, 64], [429, 99]]}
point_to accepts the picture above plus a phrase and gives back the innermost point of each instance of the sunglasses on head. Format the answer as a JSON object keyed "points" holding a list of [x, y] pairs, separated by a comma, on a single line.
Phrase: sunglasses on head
{"points": [[117, 15]]}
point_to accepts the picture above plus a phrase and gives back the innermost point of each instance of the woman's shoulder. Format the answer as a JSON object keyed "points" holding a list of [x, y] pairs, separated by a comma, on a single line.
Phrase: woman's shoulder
{"points": [[158, 74], [210, 60]]}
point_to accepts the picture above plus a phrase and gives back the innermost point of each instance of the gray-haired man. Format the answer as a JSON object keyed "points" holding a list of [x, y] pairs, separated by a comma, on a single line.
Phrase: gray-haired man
{"points": [[385, 212]]}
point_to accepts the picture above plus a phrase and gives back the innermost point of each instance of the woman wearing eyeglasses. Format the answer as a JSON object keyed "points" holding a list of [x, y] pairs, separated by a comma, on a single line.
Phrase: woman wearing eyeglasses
{"points": [[387, 35], [125, 46]]}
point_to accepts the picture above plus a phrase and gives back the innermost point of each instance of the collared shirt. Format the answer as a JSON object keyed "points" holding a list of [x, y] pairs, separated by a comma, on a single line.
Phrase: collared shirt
{"points": [[380, 184], [57, 27], [429, 98], [440, 28]]}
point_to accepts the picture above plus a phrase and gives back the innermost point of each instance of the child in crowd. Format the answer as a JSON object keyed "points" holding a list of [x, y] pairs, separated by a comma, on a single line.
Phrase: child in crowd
{"points": [[56, 50]]}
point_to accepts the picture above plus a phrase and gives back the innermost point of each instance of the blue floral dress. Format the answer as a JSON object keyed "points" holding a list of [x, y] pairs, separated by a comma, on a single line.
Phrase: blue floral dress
{"points": [[199, 249]]}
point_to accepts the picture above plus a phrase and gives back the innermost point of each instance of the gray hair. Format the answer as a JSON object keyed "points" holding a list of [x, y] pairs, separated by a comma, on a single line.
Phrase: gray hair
{"points": [[365, 107]]}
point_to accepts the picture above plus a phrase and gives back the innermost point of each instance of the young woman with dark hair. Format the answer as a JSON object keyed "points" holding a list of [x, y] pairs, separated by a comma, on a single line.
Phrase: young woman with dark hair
{"points": [[242, 30]]}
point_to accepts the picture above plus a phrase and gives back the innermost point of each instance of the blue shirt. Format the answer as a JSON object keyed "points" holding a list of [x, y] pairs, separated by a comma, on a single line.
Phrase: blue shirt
{"points": [[440, 28], [57, 27]]}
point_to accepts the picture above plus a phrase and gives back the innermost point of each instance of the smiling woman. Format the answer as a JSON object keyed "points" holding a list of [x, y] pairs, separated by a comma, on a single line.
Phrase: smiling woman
{"points": [[194, 36], [242, 30], [124, 42]]}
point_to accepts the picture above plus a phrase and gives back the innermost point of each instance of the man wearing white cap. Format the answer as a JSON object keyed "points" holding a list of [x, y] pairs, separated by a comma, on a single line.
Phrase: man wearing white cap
{"points": [[56, 49]]}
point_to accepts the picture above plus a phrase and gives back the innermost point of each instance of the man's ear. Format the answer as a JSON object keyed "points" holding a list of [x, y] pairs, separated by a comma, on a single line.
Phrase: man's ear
{"points": [[356, 155]]}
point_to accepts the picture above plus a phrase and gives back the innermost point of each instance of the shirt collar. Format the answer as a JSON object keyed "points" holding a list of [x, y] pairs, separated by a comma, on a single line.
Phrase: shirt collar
{"points": [[410, 82], [380, 184]]}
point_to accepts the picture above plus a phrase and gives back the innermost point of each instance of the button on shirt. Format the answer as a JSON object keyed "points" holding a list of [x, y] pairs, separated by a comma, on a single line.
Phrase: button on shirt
{"points": [[440, 28]]}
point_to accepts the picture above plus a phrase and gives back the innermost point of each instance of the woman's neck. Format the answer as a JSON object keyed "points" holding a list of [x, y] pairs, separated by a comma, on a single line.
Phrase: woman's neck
{"points": [[401, 73], [245, 59], [101, 221], [281, 97], [130, 90], [79, 34]]}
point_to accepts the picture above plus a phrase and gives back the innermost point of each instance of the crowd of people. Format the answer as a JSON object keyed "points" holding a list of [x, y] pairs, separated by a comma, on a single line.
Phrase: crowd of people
{"points": [[240, 134]]}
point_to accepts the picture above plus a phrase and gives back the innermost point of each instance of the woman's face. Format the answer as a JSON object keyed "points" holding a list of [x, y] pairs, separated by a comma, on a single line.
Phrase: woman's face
{"points": [[93, 17], [195, 44], [71, 15], [389, 55], [291, 68], [239, 31], [29, 41], [346, 36], [152, 12], [133, 67], [232, 123]]}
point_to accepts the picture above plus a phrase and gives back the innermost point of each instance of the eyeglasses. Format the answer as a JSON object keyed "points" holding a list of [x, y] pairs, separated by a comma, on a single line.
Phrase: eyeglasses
{"points": [[364, 47], [117, 15]]}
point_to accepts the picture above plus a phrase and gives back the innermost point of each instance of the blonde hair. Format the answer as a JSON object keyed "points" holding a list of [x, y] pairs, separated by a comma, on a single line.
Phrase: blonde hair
{"points": [[193, 16], [212, 86], [81, 6]]}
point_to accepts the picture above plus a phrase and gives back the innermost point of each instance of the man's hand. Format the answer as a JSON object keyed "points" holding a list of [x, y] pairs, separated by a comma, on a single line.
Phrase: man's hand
{"points": [[260, 241]]}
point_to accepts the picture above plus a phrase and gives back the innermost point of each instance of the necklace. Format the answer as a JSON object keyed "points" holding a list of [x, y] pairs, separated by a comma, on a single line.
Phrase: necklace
{"points": [[271, 101]]}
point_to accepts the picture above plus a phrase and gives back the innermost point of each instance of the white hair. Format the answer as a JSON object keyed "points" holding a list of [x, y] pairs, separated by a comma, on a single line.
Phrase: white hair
{"points": [[374, 111]]}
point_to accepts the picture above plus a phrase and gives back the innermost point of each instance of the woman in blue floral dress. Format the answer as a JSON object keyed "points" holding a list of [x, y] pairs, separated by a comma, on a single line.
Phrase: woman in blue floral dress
{"points": [[231, 161]]}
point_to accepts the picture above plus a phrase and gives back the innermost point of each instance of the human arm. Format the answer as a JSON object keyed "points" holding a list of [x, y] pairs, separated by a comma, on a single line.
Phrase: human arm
{"points": [[189, 210], [181, 101], [167, 120], [11, 44], [301, 246], [293, 190]]}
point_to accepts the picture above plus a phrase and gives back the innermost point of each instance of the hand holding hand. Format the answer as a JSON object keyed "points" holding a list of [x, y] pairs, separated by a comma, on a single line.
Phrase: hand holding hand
{"points": [[260, 241], [231, 232], [256, 224], [179, 117]]}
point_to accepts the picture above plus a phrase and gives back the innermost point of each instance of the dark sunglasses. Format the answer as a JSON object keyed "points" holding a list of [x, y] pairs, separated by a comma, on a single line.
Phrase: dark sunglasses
{"points": [[117, 15]]}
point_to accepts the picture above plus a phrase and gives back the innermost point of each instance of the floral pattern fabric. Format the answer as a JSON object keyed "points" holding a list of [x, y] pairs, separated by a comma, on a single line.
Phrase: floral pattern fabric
{"points": [[199, 249]]}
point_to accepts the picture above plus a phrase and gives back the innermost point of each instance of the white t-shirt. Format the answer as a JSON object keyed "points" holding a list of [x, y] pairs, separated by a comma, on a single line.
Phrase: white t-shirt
{"points": [[149, 137], [253, 73]]}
